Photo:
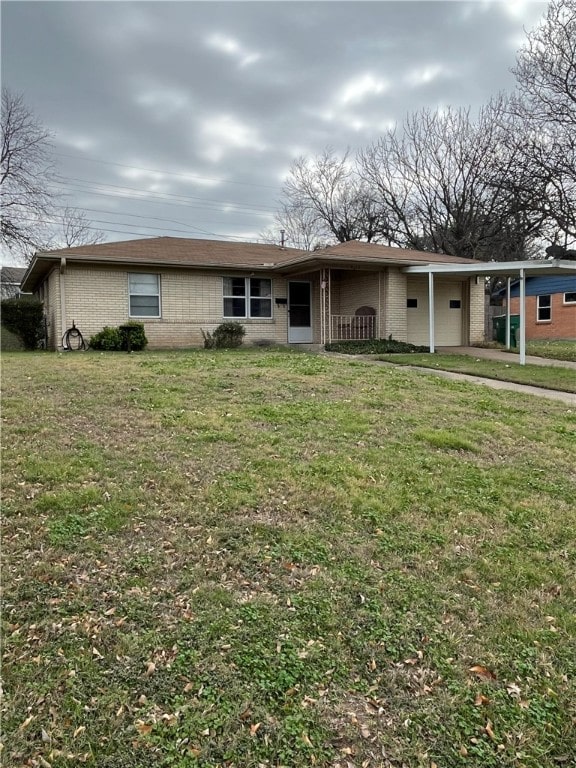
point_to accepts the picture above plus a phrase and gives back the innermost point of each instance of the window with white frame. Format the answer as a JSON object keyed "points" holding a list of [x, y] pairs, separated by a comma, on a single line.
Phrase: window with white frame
{"points": [[144, 293], [570, 298], [247, 297], [544, 308]]}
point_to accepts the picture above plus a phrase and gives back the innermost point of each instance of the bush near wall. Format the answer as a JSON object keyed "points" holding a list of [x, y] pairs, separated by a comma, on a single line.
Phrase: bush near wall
{"points": [[25, 318], [374, 346], [225, 336], [116, 339]]}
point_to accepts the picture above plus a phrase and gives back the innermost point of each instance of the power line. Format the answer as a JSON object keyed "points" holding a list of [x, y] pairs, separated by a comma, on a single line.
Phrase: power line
{"points": [[168, 173], [160, 195], [140, 216], [161, 230], [73, 188]]}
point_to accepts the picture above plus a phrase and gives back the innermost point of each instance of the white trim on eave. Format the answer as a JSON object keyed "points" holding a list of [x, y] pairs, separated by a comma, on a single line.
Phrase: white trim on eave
{"points": [[494, 267]]}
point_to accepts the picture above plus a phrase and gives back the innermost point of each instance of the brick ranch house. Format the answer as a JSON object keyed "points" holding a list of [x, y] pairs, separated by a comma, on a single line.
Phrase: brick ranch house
{"points": [[178, 287], [550, 306]]}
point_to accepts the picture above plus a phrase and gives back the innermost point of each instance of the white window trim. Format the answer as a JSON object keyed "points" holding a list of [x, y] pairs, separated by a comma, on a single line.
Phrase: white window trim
{"points": [[538, 308], [159, 294], [247, 297], [568, 303]]}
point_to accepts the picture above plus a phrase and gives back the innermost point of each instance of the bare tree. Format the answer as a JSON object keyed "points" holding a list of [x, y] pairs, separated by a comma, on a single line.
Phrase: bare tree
{"points": [[300, 227], [546, 103], [326, 196], [444, 181], [546, 66], [76, 229], [24, 177]]}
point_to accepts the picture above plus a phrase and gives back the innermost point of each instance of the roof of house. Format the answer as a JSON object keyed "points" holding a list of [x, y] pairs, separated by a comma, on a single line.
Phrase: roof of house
{"points": [[538, 285], [357, 249], [179, 250], [215, 254]]}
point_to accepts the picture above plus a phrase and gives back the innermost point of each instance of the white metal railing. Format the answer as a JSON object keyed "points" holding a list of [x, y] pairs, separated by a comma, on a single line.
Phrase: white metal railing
{"points": [[356, 327]]}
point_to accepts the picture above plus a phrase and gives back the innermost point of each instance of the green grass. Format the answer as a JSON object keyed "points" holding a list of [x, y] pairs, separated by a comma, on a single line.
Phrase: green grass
{"points": [[563, 379], [556, 350], [268, 558]]}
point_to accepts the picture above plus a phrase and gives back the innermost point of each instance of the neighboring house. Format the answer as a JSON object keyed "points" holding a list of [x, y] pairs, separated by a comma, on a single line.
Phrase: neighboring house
{"points": [[10, 280], [180, 287], [550, 306]]}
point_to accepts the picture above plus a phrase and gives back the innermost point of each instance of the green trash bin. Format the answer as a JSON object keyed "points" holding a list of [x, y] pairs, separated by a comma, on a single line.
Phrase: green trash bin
{"points": [[514, 330], [499, 328]]}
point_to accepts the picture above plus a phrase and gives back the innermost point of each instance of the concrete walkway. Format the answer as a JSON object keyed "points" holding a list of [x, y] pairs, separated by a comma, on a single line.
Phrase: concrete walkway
{"points": [[569, 398], [552, 394], [505, 357]]}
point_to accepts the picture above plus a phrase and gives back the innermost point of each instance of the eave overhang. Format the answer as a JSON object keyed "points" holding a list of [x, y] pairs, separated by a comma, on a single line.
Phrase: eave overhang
{"points": [[503, 268]]}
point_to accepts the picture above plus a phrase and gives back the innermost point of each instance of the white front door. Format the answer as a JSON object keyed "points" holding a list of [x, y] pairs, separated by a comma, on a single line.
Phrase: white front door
{"points": [[299, 312]]}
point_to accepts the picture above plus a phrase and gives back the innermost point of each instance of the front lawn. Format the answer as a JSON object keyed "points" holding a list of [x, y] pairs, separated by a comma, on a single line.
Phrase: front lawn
{"points": [[556, 350], [268, 558], [563, 379]]}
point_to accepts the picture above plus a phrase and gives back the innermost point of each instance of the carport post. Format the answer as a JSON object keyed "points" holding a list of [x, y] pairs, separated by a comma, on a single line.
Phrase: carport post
{"points": [[508, 279], [522, 328], [431, 309]]}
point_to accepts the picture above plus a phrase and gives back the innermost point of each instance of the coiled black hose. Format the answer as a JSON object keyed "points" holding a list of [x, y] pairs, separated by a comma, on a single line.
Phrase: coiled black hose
{"points": [[73, 339]]}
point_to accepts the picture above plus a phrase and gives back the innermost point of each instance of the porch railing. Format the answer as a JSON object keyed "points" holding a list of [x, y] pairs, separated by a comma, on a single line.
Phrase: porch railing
{"points": [[356, 327]]}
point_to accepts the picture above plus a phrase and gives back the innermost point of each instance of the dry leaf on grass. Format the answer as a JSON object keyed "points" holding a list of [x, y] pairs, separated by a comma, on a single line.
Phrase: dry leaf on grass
{"points": [[482, 672]]}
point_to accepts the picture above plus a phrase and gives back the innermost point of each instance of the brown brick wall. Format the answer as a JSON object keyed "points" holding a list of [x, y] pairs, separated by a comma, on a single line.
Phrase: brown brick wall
{"points": [[561, 326]]}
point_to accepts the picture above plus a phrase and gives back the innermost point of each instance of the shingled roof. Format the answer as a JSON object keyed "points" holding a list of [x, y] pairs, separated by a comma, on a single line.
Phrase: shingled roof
{"points": [[180, 250], [160, 252]]}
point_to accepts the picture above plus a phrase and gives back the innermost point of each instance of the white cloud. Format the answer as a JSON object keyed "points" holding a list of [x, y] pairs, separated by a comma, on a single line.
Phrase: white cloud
{"points": [[165, 101], [146, 180], [516, 9], [225, 133], [426, 74], [356, 90], [75, 140], [231, 47]]}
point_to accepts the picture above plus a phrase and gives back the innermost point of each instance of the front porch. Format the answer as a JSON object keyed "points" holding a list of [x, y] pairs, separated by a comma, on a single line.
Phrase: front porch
{"points": [[351, 305], [356, 327]]}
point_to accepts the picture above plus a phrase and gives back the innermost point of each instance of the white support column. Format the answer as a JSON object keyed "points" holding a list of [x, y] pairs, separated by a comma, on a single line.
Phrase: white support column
{"points": [[522, 328], [377, 329], [431, 310], [322, 308], [508, 280], [329, 306]]}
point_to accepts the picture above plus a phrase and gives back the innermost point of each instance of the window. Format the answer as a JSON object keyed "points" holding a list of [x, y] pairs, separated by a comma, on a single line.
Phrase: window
{"points": [[247, 297], [412, 303], [570, 298], [455, 304], [144, 290], [543, 308]]}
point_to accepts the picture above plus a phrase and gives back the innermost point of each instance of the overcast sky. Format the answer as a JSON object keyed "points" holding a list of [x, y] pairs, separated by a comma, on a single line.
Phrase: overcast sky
{"points": [[182, 118]]}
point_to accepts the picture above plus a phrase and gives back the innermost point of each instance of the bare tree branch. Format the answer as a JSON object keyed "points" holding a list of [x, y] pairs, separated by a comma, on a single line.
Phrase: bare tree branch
{"points": [[24, 176], [76, 229]]}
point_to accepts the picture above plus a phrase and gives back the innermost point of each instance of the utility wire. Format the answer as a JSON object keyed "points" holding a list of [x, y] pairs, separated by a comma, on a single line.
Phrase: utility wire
{"points": [[168, 173], [64, 180], [54, 222]]}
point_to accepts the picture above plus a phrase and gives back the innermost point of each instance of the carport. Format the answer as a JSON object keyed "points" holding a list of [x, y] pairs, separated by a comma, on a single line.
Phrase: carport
{"points": [[517, 270]]}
